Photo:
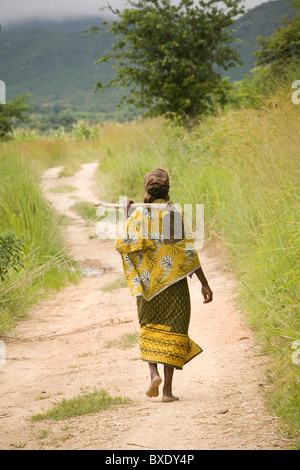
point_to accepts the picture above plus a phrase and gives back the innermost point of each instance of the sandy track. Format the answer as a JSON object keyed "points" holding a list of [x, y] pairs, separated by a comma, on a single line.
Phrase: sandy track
{"points": [[61, 350]]}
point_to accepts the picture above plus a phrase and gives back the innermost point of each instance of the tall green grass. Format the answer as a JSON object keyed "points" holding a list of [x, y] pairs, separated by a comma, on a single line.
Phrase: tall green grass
{"points": [[259, 220], [25, 213]]}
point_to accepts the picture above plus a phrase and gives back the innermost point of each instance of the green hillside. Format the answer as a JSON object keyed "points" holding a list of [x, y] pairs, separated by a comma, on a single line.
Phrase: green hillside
{"points": [[55, 63]]}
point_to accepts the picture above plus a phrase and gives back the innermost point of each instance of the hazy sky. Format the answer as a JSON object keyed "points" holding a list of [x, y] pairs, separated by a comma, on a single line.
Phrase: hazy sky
{"points": [[18, 10]]}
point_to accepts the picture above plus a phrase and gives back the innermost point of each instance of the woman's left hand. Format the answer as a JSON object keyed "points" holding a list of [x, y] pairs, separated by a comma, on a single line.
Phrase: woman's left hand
{"points": [[207, 294]]}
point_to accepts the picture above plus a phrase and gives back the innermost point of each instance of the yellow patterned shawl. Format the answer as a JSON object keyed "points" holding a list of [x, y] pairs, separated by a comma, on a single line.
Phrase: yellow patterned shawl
{"points": [[150, 264]]}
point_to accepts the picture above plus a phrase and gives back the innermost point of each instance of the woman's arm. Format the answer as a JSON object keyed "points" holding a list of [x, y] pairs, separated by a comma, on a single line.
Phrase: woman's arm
{"points": [[206, 290], [126, 208]]}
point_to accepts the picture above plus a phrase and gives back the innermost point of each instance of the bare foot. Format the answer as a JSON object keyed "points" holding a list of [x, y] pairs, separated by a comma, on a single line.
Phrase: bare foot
{"points": [[168, 398], [153, 388]]}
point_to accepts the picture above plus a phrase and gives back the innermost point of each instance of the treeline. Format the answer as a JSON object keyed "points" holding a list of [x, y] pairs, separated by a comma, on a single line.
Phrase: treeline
{"points": [[55, 118]]}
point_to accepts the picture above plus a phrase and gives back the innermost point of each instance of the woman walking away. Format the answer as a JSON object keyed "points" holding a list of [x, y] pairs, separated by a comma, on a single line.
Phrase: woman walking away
{"points": [[158, 254]]}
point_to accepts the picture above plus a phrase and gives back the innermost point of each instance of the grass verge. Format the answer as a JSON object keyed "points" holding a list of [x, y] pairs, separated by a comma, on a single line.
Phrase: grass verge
{"points": [[86, 210], [25, 213]]}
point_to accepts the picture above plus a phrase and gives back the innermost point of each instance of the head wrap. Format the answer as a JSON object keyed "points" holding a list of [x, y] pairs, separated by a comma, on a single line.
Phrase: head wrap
{"points": [[156, 183]]}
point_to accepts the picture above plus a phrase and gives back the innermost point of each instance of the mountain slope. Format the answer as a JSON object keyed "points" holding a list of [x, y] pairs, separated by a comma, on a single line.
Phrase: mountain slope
{"points": [[56, 64]]}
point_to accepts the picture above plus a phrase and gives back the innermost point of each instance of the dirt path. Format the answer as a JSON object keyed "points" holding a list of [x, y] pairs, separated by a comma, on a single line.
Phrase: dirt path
{"points": [[61, 350]]}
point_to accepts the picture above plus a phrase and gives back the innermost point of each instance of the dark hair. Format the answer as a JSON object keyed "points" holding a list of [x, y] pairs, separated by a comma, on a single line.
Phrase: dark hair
{"points": [[156, 192]]}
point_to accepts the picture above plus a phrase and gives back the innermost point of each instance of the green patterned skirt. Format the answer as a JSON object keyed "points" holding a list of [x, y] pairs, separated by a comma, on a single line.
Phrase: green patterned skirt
{"points": [[164, 322]]}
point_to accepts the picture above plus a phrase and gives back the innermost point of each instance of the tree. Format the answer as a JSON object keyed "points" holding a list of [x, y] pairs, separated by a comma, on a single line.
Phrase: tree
{"points": [[169, 56], [13, 109]]}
